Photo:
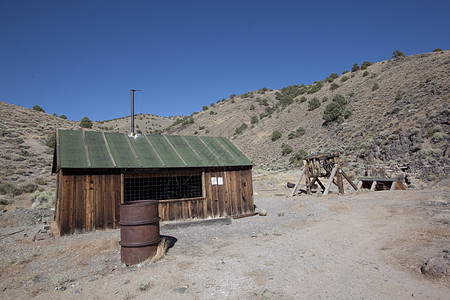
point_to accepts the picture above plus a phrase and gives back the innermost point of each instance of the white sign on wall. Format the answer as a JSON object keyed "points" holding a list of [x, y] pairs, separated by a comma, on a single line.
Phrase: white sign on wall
{"points": [[220, 180], [213, 180]]}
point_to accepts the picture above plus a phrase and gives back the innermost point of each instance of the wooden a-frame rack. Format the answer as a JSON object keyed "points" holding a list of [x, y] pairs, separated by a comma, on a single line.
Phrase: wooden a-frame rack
{"points": [[324, 165]]}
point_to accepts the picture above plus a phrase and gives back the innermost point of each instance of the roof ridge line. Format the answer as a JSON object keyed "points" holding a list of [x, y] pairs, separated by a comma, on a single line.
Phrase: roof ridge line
{"points": [[217, 140], [185, 164], [157, 154], [132, 150], [193, 150], [88, 157], [207, 147], [109, 150]]}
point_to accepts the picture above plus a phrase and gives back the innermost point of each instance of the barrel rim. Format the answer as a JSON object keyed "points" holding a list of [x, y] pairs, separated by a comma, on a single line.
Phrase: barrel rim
{"points": [[140, 203], [153, 242], [142, 222]]}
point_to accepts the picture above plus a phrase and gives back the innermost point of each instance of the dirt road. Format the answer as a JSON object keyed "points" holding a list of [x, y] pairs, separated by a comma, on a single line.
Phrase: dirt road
{"points": [[358, 246]]}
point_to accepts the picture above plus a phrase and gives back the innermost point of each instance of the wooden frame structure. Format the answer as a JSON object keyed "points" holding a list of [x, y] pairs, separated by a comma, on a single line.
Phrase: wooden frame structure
{"points": [[324, 165], [380, 184]]}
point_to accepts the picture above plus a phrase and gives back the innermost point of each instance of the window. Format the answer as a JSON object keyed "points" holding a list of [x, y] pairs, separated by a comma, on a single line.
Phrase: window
{"points": [[162, 186]]}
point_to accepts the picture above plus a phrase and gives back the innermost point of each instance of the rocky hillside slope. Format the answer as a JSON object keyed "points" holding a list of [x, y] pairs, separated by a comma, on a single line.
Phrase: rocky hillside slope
{"points": [[395, 113]]}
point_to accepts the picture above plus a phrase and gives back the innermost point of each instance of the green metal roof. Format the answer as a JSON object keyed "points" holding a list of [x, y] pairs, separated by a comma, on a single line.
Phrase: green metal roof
{"points": [[93, 149]]}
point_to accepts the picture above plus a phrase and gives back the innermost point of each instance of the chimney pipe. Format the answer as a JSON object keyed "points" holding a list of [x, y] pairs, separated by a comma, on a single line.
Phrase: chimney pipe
{"points": [[132, 111]]}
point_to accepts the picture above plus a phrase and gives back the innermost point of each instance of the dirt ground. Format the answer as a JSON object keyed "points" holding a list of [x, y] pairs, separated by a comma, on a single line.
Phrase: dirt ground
{"points": [[363, 245]]}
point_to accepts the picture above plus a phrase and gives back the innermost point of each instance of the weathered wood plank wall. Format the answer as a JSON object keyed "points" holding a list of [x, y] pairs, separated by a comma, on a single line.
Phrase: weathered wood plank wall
{"points": [[87, 202]]}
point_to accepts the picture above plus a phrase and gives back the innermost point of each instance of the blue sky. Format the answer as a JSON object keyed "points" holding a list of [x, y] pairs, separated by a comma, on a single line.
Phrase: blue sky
{"points": [[81, 58]]}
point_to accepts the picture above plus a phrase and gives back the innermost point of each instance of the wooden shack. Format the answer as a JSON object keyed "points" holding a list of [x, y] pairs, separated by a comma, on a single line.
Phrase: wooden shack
{"points": [[192, 177]]}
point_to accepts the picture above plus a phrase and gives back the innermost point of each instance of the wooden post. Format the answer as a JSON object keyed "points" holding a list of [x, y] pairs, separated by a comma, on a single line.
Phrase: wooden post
{"points": [[340, 182], [298, 181], [330, 180]]}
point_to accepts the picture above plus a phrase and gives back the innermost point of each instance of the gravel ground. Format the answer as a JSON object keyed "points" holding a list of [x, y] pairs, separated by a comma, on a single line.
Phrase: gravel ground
{"points": [[357, 246]]}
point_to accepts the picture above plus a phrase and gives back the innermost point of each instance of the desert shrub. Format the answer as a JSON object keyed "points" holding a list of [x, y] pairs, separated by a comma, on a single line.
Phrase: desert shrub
{"points": [[397, 54], [269, 111], [204, 107], [355, 67], [40, 181], [212, 112], [28, 187], [399, 96], [351, 94], [298, 156], [252, 107], [303, 99], [51, 141], [7, 188], [430, 153], [365, 65], [339, 99], [315, 88], [287, 94], [262, 115], [201, 127], [240, 129], [254, 120], [63, 117], [348, 113], [38, 108], [275, 135], [286, 149], [334, 86], [262, 101], [45, 199], [139, 131], [313, 104], [232, 96], [375, 86], [85, 123], [332, 77], [344, 78], [324, 99], [365, 73], [332, 112], [437, 50], [297, 133]]}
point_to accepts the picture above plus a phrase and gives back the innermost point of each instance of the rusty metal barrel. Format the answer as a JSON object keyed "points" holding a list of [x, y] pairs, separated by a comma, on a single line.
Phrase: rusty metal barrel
{"points": [[139, 231]]}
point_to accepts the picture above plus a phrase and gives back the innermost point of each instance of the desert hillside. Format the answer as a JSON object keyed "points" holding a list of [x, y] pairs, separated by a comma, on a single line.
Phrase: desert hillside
{"points": [[393, 115]]}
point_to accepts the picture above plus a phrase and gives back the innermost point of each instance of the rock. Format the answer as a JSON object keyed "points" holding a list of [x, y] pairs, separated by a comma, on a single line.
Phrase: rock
{"points": [[180, 290], [433, 267], [263, 213]]}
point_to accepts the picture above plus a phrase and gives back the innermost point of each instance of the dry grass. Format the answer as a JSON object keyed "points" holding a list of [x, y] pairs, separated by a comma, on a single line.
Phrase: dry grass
{"points": [[160, 251]]}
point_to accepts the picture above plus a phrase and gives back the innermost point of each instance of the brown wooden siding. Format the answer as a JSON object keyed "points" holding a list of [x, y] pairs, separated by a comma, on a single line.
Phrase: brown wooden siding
{"points": [[86, 202], [91, 201]]}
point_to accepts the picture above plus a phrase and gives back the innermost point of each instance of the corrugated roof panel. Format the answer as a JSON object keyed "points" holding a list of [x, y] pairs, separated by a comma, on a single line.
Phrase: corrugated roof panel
{"points": [[121, 151], [165, 151], [241, 158], [186, 153], [98, 153], [145, 152], [71, 149], [90, 149], [204, 152], [225, 158]]}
